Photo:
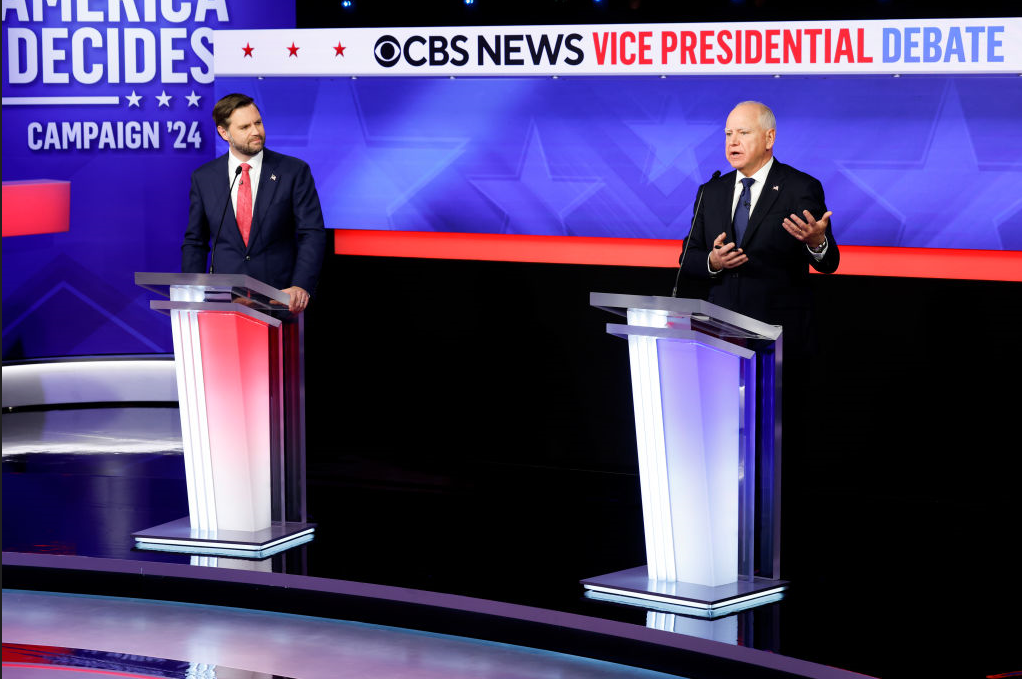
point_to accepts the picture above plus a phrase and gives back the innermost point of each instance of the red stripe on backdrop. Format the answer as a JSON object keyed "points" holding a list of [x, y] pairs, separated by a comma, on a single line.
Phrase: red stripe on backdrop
{"points": [[856, 260], [36, 206], [508, 248]]}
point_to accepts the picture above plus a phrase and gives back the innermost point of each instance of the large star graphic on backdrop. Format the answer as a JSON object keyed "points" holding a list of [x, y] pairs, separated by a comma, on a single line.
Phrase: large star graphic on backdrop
{"points": [[377, 173], [671, 143], [534, 186], [945, 199]]}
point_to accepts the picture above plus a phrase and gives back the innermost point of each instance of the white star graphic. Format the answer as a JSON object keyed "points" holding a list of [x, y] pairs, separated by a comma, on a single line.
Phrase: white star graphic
{"points": [[164, 98], [133, 99], [193, 99]]}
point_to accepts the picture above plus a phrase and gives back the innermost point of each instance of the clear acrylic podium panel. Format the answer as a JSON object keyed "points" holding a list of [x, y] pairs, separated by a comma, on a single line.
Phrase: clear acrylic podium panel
{"points": [[234, 350], [704, 389]]}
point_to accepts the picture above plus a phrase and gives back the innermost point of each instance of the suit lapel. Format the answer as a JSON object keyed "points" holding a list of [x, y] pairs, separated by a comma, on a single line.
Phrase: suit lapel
{"points": [[268, 181], [726, 198], [767, 197]]}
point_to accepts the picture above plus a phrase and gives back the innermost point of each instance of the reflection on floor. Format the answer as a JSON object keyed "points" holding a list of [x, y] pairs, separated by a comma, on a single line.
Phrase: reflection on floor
{"points": [[277, 644], [93, 430], [36, 661]]}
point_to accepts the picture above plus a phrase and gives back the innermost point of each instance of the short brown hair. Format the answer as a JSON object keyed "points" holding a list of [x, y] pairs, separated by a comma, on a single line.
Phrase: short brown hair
{"points": [[229, 104]]}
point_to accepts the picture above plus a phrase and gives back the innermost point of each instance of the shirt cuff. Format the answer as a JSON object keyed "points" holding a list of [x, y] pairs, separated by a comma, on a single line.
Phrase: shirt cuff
{"points": [[818, 256]]}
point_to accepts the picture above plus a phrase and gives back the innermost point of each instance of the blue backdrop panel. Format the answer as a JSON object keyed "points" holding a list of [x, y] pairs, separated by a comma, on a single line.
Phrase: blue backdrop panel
{"points": [[911, 161], [921, 161]]}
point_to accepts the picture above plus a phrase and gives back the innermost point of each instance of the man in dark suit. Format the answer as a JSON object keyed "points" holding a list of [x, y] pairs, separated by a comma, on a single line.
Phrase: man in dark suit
{"points": [[763, 271], [275, 231], [756, 233]]}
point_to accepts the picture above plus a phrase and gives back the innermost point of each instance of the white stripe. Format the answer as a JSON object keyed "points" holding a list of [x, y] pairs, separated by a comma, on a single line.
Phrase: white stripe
{"points": [[58, 101]]}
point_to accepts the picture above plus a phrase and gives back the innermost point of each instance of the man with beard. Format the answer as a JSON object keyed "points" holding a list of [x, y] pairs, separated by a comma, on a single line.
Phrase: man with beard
{"points": [[275, 232]]}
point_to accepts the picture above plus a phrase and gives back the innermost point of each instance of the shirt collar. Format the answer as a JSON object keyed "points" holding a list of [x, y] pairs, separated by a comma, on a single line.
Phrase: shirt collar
{"points": [[760, 175], [254, 163]]}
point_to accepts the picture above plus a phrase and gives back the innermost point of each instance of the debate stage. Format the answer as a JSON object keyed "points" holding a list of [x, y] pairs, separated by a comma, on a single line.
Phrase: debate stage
{"points": [[416, 578], [462, 490]]}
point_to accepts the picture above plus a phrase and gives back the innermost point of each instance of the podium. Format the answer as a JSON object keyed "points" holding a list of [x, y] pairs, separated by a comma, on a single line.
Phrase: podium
{"points": [[238, 354], [706, 393]]}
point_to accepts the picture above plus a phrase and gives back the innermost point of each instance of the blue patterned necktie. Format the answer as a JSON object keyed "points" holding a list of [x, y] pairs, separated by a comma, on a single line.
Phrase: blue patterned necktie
{"points": [[742, 211]]}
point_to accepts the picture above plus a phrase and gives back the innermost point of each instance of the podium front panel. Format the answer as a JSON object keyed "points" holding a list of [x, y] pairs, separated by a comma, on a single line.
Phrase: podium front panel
{"points": [[225, 376], [693, 437]]}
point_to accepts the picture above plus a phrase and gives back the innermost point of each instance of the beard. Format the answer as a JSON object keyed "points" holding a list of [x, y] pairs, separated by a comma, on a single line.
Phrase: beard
{"points": [[251, 147]]}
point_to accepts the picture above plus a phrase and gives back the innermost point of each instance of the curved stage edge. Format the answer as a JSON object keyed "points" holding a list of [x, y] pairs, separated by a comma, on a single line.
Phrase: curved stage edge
{"points": [[419, 610]]}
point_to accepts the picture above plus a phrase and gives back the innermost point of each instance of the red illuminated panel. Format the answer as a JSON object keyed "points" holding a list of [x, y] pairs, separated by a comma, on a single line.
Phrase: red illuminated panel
{"points": [[236, 379], [508, 248], [980, 265], [36, 206], [991, 265]]}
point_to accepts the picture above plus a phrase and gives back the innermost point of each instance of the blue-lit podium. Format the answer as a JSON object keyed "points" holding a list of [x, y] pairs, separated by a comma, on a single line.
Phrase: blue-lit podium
{"points": [[706, 392]]}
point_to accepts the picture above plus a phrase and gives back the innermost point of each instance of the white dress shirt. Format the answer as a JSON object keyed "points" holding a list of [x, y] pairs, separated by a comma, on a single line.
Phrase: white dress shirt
{"points": [[755, 191], [255, 166]]}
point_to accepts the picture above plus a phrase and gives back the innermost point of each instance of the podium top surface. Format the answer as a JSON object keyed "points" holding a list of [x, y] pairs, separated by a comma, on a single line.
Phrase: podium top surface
{"points": [[708, 317], [217, 287]]}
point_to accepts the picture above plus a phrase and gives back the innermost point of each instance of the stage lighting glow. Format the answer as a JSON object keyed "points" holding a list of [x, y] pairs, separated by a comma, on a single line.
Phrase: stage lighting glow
{"points": [[693, 609], [219, 549], [346, 4], [88, 381]]}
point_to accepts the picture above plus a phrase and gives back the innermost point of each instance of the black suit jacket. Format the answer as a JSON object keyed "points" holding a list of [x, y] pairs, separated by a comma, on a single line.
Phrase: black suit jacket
{"points": [[287, 239], [773, 286]]}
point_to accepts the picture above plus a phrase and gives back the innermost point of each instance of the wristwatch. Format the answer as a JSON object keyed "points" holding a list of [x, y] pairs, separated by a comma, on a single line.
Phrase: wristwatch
{"points": [[819, 248]]}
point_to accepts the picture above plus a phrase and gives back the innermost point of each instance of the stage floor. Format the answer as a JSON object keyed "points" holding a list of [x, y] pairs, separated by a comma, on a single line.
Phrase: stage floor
{"points": [[868, 596], [226, 640]]}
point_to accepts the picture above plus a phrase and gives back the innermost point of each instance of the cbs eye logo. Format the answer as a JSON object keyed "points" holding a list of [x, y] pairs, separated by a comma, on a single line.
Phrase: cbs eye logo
{"points": [[387, 51]]}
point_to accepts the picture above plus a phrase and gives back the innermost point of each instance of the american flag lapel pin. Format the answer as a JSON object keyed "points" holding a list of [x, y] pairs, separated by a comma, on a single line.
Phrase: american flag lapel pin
{"points": [[274, 178], [777, 187]]}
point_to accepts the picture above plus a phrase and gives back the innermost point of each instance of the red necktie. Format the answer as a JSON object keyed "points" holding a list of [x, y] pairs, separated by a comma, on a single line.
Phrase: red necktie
{"points": [[244, 211]]}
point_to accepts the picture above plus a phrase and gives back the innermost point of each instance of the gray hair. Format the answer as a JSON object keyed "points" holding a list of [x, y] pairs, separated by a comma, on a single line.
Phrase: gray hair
{"points": [[766, 117]]}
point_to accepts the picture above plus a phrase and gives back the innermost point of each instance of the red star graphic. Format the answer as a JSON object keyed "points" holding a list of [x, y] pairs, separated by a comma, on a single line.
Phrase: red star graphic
{"points": [[247, 49], [293, 51], [339, 50]]}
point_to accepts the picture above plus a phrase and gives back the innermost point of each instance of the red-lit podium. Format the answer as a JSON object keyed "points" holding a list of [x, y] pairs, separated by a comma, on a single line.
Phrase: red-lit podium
{"points": [[240, 380]]}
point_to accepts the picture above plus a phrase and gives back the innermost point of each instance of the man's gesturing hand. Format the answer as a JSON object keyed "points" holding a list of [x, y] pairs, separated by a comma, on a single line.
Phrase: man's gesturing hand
{"points": [[725, 256], [810, 231]]}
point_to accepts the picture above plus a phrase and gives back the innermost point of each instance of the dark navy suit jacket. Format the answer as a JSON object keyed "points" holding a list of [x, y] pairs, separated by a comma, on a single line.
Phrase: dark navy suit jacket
{"points": [[287, 239], [773, 286]]}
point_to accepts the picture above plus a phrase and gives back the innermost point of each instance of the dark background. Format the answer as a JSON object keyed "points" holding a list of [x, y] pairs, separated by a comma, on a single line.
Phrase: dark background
{"points": [[471, 430]]}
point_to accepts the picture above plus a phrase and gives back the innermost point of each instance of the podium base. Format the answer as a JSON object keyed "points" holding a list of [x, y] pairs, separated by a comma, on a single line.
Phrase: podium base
{"points": [[633, 587], [179, 537]]}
